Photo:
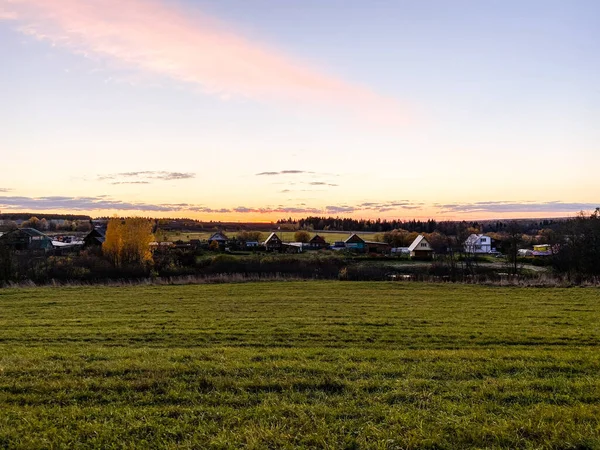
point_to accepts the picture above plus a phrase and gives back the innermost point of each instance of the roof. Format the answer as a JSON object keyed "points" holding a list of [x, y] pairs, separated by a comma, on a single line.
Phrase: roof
{"points": [[272, 237], [318, 240], [417, 241], [31, 232], [98, 231], [474, 238], [354, 238], [218, 236], [377, 243]]}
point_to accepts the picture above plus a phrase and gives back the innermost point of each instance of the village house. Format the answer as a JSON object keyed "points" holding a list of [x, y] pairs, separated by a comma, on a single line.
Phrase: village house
{"points": [[27, 240], [478, 244], [218, 237], [318, 243], [356, 243], [273, 243], [420, 248], [95, 238]]}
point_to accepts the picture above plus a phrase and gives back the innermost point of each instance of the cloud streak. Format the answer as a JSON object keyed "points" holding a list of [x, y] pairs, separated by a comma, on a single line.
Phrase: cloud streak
{"points": [[160, 38], [283, 172], [145, 177], [517, 207], [103, 203], [106, 203]]}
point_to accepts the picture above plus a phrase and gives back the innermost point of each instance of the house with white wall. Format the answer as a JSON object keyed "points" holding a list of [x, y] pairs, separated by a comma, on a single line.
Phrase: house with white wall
{"points": [[420, 248], [478, 244]]}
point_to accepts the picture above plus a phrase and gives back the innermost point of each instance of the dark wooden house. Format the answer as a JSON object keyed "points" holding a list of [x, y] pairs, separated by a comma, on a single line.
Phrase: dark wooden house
{"points": [[318, 243], [27, 240], [378, 247], [95, 238], [219, 237], [273, 243]]}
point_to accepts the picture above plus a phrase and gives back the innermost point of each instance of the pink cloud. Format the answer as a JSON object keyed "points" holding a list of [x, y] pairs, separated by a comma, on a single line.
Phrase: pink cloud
{"points": [[157, 37]]}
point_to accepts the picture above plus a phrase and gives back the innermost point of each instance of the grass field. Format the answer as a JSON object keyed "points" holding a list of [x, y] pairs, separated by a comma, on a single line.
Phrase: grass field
{"points": [[286, 236], [300, 364]]}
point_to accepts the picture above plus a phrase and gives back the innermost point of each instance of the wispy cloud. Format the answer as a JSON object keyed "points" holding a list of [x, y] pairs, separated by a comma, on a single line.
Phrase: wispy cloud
{"points": [[283, 172], [390, 206], [322, 183], [58, 203], [161, 38], [278, 210], [106, 203], [145, 177], [5, 189], [343, 209], [517, 207], [130, 182], [7, 15]]}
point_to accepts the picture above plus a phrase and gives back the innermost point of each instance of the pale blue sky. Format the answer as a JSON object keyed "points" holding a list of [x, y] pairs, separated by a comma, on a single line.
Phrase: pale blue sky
{"points": [[501, 99]]}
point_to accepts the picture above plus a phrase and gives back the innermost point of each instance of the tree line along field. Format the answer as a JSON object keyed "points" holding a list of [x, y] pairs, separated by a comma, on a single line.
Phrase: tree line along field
{"points": [[300, 364]]}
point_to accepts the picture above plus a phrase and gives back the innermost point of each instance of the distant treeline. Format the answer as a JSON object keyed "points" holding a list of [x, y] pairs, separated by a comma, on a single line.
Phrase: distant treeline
{"points": [[427, 226]]}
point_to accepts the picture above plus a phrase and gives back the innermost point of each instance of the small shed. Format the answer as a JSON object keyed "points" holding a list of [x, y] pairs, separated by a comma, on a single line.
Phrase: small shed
{"points": [[378, 247]]}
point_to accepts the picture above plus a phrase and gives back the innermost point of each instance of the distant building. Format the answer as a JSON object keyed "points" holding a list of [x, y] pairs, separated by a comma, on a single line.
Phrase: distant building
{"points": [[273, 243], [218, 237], [478, 243], [378, 247], [420, 248], [27, 240], [317, 243], [95, 238], [356, 243]]}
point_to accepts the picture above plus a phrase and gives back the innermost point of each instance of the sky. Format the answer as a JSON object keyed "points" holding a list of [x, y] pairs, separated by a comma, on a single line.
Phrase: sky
{"points": [[256, 110]]}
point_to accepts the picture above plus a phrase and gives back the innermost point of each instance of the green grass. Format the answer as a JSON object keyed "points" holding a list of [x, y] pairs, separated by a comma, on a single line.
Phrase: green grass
{"points": [[287, 236], [302, 364]]}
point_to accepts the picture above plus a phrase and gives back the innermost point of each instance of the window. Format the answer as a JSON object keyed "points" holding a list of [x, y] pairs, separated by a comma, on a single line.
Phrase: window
{"points": [[423, 244]]}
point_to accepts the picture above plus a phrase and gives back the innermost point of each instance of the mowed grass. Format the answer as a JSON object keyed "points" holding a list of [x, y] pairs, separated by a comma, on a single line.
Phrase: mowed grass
{"points": [[300, 364]]}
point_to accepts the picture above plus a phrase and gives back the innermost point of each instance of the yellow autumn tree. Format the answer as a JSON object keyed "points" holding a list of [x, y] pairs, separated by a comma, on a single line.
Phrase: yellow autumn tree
{"points": [[128, 241], [112, 247]]}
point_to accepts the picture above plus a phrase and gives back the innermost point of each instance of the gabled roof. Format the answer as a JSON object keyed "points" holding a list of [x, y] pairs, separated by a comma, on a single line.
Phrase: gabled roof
{"points": [[354, 239], [420, 238], [31, 232], [97, 232], [474, 239], [218, 236], [272, 237], [317, 240]]}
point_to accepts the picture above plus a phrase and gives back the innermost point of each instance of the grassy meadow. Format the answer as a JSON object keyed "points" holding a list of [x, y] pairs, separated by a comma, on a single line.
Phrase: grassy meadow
{"points": [[300, 364], [286, 236]]}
